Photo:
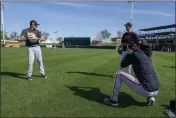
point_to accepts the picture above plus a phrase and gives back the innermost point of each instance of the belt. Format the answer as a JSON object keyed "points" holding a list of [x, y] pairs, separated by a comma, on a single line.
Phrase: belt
{"points": [[34, 45]]}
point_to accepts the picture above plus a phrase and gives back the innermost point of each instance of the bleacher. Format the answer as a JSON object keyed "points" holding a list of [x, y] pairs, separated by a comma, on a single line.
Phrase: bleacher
{"points": [[158, 39]]}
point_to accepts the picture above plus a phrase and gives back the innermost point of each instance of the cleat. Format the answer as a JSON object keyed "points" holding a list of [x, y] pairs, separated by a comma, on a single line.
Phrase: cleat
{"points": [[150, 101], [43, 76], [29, 78], [111, 102]]}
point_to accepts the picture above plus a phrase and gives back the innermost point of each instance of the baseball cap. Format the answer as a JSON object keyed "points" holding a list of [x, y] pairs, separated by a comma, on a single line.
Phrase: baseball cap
{"points": [[143, 42], [35, 22], [128, 24]]}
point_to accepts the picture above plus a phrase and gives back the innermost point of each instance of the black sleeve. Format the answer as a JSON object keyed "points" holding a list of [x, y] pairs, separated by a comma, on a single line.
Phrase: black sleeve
{"points": [[135, 38], [128, 60]]}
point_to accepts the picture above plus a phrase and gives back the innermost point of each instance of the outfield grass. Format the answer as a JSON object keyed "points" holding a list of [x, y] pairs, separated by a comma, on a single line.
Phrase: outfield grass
{"points": [[78, 80]]}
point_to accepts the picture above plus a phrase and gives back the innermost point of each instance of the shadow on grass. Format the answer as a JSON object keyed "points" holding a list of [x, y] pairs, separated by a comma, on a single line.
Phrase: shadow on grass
{"points": [[16, 75], [169, 66], [93, 74], [165, 106], [94, 94]]}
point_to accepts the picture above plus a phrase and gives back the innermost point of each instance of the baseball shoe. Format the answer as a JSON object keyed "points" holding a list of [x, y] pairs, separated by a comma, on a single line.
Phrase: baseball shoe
{"points": [[29, 78], [111, 102], [150, 101], [43, 76]]}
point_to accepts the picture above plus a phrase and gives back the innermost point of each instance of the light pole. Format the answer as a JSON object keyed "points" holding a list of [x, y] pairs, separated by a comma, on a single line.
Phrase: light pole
{"points": [[2, 22], [56, 38], [56, 34], [132, 8]]}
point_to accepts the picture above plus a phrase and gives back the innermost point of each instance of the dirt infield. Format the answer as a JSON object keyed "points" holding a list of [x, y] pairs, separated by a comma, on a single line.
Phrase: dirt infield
{"points": [[12, 45]]}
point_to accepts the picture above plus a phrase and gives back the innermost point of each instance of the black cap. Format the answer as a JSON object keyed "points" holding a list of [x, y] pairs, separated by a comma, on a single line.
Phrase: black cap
{"points": [[35, 22], [128, 24], [143, 42]]}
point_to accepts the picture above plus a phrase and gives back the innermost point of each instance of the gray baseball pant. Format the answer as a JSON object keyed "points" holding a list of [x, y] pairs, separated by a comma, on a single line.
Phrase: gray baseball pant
{"points": [[124, 53], [132, 82], [35, 52]]}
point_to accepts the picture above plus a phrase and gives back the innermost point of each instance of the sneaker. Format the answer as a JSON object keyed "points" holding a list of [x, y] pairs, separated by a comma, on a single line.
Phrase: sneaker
{"points": [[150, 101], [43, 76], [111, 102], [29, 78]]}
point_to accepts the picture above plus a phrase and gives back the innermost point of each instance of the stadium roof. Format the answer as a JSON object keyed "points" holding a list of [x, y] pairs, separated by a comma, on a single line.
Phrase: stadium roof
{"points": [[158, 34], [159, 28]]}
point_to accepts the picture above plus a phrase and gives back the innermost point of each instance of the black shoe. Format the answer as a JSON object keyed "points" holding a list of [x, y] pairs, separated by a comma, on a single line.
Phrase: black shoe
{"points": [[43, 76], [111, 102], [29, 78]]}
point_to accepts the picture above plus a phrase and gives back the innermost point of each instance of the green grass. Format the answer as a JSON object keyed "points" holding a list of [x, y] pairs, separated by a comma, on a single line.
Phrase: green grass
{"points": [[64, 93]]}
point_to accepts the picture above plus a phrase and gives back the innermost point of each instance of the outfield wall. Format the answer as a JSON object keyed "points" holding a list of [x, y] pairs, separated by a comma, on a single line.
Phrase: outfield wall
{"points": [[95, 47], [154, 47]]}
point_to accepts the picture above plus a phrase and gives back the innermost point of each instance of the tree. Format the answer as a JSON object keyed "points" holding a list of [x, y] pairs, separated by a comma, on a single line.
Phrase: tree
{"points": [[105, 34], [99, 37], [46, 35], [14, 36], [59, 39], [5, 35], [94, 42], [119, 34]]}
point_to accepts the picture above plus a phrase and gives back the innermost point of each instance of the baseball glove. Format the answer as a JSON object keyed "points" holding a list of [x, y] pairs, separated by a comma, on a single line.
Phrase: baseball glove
{"points": [[31, 36]]}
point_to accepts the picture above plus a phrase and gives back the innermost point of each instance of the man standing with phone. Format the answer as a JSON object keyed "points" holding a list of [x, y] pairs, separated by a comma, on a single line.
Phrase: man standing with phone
{"points": [[32, 36]]}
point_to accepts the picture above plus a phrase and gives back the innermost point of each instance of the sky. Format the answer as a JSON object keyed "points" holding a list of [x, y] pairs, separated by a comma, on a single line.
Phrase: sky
{"points": [[86, 19]]}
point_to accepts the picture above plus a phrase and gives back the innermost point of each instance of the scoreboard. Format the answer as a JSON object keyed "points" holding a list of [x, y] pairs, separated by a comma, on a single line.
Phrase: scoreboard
{"points": [[68, 41]]}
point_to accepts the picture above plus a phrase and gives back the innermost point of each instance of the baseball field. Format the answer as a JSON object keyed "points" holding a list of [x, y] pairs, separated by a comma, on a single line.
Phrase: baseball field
{"points": [[78, 81]]}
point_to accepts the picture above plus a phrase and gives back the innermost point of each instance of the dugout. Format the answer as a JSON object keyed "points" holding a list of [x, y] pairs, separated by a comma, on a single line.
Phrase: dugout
{"points": [[77, 41], [162, 38]]}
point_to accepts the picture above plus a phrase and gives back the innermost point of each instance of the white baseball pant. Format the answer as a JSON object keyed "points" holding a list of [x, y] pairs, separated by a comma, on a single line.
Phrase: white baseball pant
{"points": [[35, 52], [132, 82]]}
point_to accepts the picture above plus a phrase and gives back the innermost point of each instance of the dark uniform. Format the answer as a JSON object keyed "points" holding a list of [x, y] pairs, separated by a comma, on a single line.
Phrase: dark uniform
{"points": [[31, 42], [129, 38], [145, 82], [143, 69]]}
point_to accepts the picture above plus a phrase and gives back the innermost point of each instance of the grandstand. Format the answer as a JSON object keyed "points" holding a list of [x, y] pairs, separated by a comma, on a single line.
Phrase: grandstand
{"points": [[162, 38]]}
